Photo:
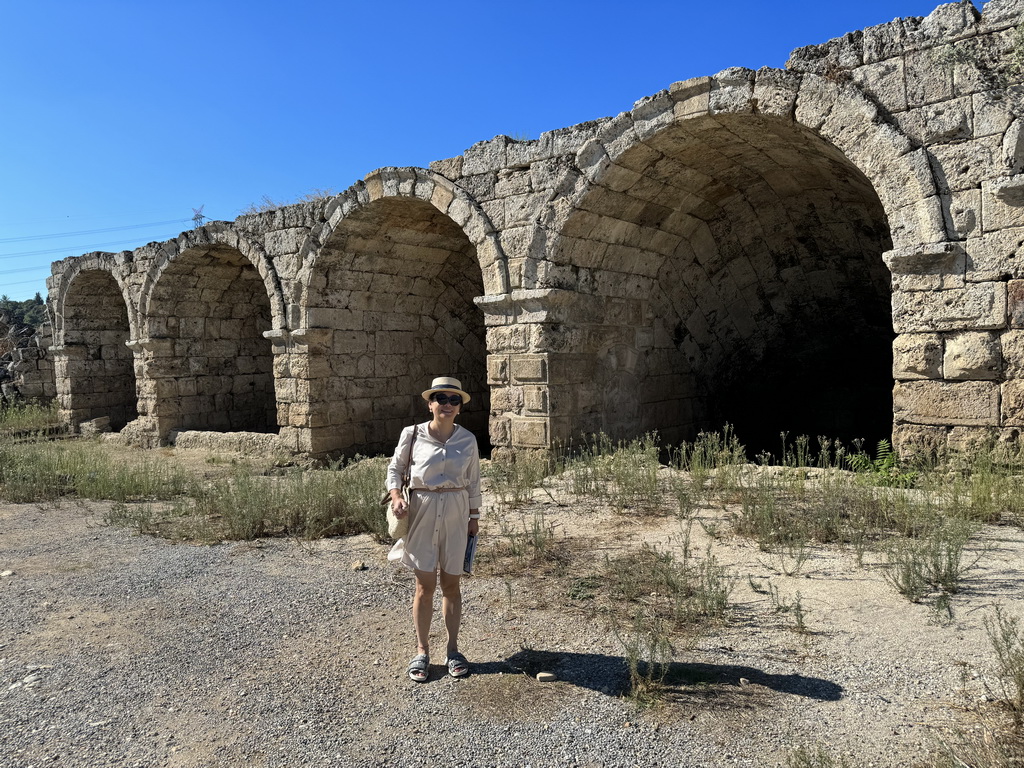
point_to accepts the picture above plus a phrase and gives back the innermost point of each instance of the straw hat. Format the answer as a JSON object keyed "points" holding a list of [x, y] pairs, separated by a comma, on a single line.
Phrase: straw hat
{"points": [[446, 384]]}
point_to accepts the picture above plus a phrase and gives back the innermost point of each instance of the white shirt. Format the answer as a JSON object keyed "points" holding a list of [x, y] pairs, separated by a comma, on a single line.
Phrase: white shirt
{"points": [[452, 464]]}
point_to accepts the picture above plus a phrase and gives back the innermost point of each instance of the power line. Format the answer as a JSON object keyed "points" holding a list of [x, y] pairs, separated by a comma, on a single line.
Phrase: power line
{"points": [[91, 231], [25, 282], [23, 269], [78, 249]]}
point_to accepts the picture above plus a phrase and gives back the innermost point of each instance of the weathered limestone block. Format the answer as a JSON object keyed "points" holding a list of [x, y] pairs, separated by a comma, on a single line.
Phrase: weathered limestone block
{"points": [[485, 156], [972, 356], [732, 91], [991, 116], [969, 439], [1002, 203], [996, 255], [917, 356], [971, 403], [284, 241], [529, 368], [964, 165], [999, 13], [965, 211], [497, 370], [929, 267], [1012, 148], [885, 81], [530, 431], [1009, 190], [977, 306], [920, 220], [1012, 343], [500, 428], [927, 83], [1015, 303], [775, 91], [1013, 403], [943, 122]]}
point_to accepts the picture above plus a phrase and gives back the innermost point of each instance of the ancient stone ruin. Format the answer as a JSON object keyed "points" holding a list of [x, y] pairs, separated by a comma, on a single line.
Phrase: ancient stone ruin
{"points": [[836, 248]]}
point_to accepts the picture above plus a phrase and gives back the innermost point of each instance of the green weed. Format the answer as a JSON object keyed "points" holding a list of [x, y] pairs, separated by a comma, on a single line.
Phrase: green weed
{"points": [[935, 561], [45, 471], [513, 481], [29, 417], [1007, 638]]}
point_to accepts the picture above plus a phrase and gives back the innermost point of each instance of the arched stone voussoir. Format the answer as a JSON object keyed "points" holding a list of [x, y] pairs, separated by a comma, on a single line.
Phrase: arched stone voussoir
{"points": [[732, 92], [64, 274], [421, 184], [846, 118], [776, 92], [212, 235]]}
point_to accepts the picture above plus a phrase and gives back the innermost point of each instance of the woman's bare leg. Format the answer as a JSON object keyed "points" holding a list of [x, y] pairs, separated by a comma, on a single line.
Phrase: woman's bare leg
{"points": [[423, 608], [451, 608]]}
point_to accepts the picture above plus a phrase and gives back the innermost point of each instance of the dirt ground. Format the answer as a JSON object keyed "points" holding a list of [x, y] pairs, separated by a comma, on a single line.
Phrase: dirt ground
{"points": [[201, 655]]}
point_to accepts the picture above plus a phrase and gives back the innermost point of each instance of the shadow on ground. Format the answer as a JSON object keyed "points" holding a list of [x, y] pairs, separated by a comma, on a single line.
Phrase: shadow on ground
{"points": [[610, 675]]}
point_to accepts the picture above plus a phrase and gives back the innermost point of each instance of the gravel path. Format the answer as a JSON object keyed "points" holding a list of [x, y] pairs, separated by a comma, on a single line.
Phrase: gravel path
{"points": [[123, 650]]}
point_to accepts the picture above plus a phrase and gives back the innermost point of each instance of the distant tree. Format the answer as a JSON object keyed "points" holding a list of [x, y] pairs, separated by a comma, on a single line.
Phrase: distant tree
{"points": [[22, 317]]}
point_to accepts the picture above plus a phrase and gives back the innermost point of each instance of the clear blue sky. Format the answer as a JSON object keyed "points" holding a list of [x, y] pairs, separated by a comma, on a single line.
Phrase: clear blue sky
{"points": [[124, 113]]}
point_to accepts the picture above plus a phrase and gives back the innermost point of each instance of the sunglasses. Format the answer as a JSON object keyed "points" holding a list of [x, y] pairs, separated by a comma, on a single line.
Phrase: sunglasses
{"points": [[443, 399]]}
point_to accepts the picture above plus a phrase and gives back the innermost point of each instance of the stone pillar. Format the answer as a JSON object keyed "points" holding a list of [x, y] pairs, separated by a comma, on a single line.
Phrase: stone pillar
{"points": [[301, 374], [164, 387], [545, 367], [69, 362], [951, 377]]}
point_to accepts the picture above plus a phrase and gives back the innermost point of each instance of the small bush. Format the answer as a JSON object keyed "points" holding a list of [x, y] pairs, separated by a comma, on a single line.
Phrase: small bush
{"points": [[514, 480], [625, 474], [681, 591], [1007, 640], [936, 561]]}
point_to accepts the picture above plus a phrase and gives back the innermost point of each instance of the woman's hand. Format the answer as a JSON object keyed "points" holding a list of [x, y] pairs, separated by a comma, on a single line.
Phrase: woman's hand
{"points": [[399, 506]]}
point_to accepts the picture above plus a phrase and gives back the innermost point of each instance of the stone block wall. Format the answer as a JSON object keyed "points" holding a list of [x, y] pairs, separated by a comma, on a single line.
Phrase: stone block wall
{"points": [[951, 83], [29, 374], [816, 249]]}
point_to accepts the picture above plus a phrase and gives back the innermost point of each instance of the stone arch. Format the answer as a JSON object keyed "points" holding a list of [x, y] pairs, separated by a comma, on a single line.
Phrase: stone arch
{"points": [[209, 303], [65, 273], [734, 227], [387, 302], [217, 236], [94, 322]]}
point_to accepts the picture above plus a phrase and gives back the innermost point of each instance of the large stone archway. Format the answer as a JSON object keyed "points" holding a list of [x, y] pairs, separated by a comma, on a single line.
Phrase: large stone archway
{"points": [[718, 257], [206, 359], [738, 259], [95, 371], [388, 303]]}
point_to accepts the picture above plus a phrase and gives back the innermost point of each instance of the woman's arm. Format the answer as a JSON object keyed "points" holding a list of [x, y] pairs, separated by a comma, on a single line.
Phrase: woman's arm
{"points": [[397, 469], [473, 486]]}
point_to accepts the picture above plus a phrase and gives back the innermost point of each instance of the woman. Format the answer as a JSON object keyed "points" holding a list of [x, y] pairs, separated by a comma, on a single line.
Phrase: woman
{"points": [[443, 510]]}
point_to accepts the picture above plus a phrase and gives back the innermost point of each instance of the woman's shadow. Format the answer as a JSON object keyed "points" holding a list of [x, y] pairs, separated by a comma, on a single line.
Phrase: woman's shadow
{"points": [[610, 675]]}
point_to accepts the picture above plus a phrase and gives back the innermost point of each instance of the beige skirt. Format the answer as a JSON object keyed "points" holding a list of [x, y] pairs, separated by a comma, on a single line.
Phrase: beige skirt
{"points": [[438, 530]]}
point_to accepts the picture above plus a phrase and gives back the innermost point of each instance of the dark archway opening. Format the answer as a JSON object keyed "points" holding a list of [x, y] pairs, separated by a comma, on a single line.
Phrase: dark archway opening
{"points": [[101, 375], [213, 304], [748, 252], [396, 284]]}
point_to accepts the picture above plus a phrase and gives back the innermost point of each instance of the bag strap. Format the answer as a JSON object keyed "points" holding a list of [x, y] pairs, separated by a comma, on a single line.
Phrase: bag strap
{"points": [[408, 459]]}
